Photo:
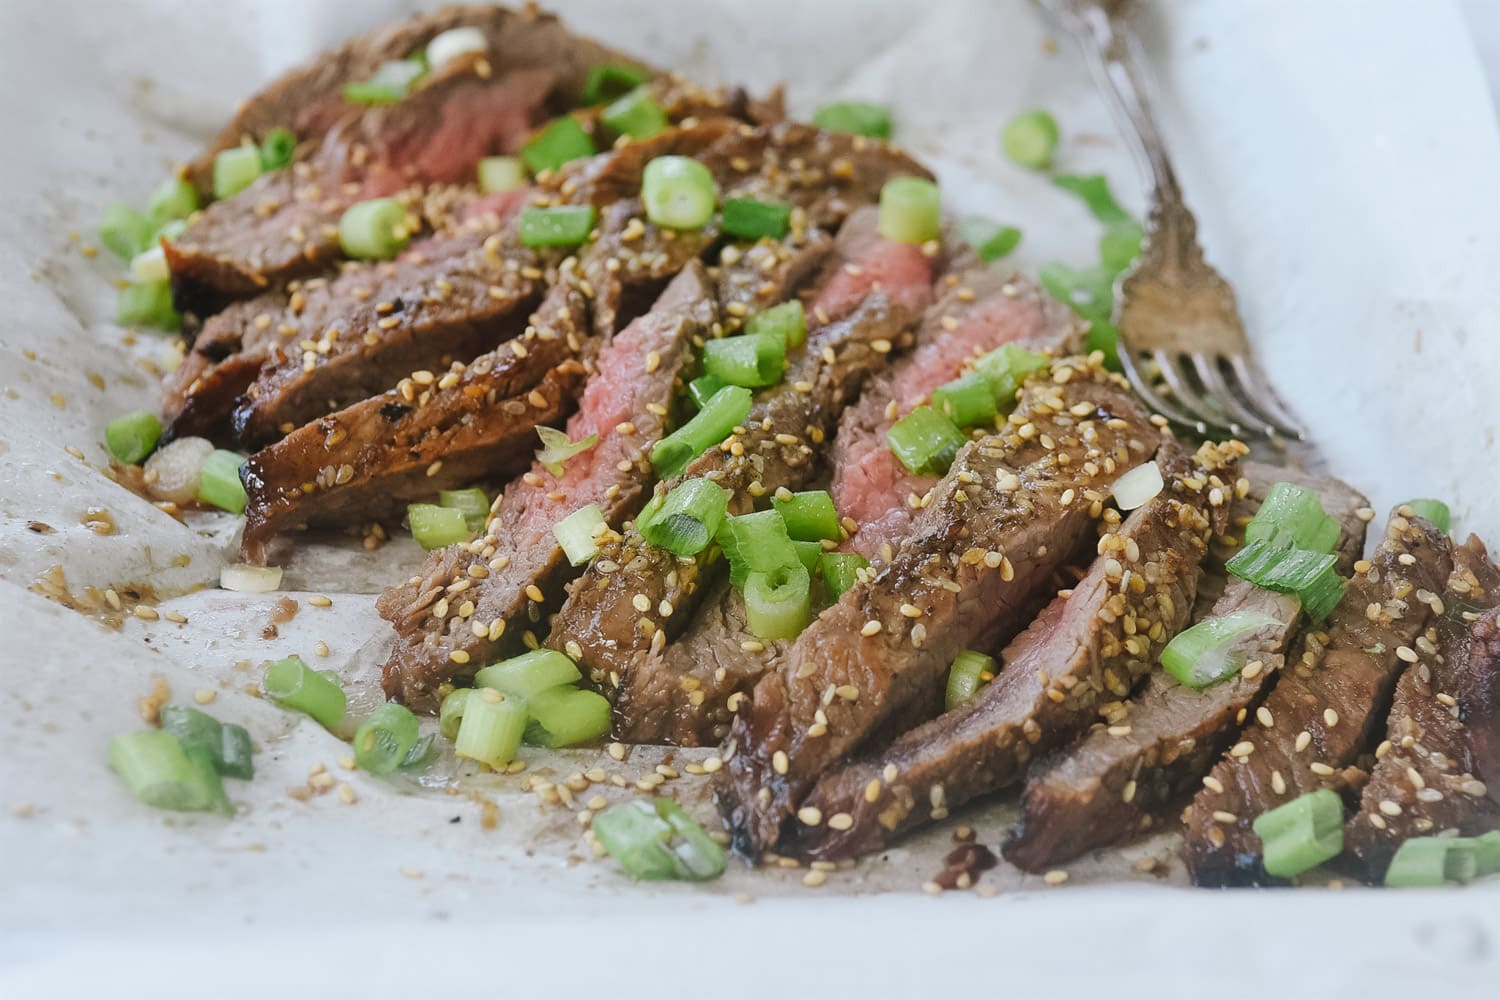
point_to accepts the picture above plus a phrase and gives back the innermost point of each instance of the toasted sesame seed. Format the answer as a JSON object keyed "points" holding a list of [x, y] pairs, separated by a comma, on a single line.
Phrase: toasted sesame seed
{"points": [[1242, 749], [1055, 877], [1320, 768], [779, 762], [810, 815], [840, 821], [1390, 807], [319, 601], [1406, 653], [1213, 784], [871, 628], [1304, 739]]}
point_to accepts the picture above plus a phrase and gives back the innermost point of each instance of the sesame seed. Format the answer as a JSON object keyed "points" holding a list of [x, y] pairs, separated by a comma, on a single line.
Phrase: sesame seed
{"points": [[1330, 717], [871, 628], [1390, 807], [1320, 768], [204, 696], [779, 762], [1304, 739], [810, 815], [319, 601], [1263, 716], [1213, 784], [1242, 749], [814, 878], [840, 821], [1055, 877]]}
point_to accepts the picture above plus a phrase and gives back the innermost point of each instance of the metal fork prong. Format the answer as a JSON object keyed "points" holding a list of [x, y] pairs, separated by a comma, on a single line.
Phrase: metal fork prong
{"points": [[1255, 388], [1213, 381], [1208, 415], [1155, 400]]}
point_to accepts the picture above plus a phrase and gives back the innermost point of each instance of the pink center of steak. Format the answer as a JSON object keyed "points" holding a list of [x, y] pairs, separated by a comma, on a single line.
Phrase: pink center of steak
{"points": [[901, 270]]}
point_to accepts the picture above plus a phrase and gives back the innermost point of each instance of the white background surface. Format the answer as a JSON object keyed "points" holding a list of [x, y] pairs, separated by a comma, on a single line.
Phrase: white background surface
{"points": [[1342, 158]]}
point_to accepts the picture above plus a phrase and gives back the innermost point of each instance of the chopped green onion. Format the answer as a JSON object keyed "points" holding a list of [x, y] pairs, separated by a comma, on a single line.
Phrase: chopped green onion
{"points": [[436, 527], [1094, 191], [1487, 851], [1432, 510], [810, 516], [636, 114], [557, 448], [787, 321], [1295, 515], [565, 717], [990, 240], [389, 84], [473, 503], [234, 170], [970, 672], [1273, 564], [749, 219], [578, 534], [529, 674], [756, 542], [749, 359], [1007, 367], [808, 554], [560, 226], [1211, 651], [1428, 862], [857, 117], [277, 149], [1030, 139], [501, 173], [228, 746], [419, 751], [236, 752], [125, 231], [383, 742], [1089, 292], [150, 266], [163, 774], [840, 571], [689, 518], [451, 711], [968, 401], [711, 425], [132, 437], [147, 304], [678, 192], [925, 441], [219, 482], [656, 840], [374, 230], [173, 200], [169, 231], [562, 141], [292, 683], [703, 388], [778, 603], [1120, 245], [911, 210], [606, 81], [1301, 834], [491, 729]]}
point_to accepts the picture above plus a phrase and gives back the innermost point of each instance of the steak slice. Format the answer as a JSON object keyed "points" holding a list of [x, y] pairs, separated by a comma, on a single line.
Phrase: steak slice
{"points": [[1424, 780], [1153, 750], [979, 310], [1479, 701], [1324, 707], [499, 574], [1014, 506]]}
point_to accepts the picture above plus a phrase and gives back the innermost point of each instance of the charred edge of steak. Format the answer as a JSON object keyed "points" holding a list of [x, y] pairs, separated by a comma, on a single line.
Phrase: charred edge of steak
{"points": [[1479, 702]]}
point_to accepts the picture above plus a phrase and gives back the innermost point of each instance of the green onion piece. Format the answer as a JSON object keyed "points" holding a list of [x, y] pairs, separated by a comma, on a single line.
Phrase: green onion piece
{"points": [[606, 81], [1089, 292], [501, 173], [970, 672], [132, 437], [125, 231], [756, 542], [636, 114], [169, 231], [689, 518], [491, 729], [678, 192], [383, 741], [451, 711], [562, 141], [157, 771], [228, 746], [149, 267], [858, 117], [210, 784], [173, 200], [473, 503], [1120, 245], [1487, 852], [1093, 190], [1210, 651], [1006, 367], [1432, 510], [1273, 564], [292, 683], [389, 84], [578, 534], [703, 388], [1301, 834], [147, 304], [787, 321], [808, 554], [557, 448], [277, 149], [990, 240], [778, 603], [1428, 862], [419, 752], [219, 482], [925, 441], [750, 359], [236, 752], [810, 516], [911, 210], [840, 571], [712, 424], [234, 170], [968, 401], [1030, 139], [529, 674], [1294, 514], [374, 230], [436, 527], [749, 219], [655, 840], [561, 226], [565, 717]]}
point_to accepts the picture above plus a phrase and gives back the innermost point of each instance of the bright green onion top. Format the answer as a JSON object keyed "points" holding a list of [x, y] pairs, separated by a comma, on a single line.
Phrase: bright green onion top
{"points": [[578, 534], [133, 437], [437, 527], [714, 422], [925, 441], [970, 672], [160, 772], [561, 226], [787, 321], [1030, 139], [840, 571], [990, 240], [607, 81], [565, 717], [234, 170], [376, 229], [277, 149], [655, 839], [749, 359], [968, 401], [689, 518], [474, 503], [529, 673], [678, 192], [219, 482], [491, 728], [856, 117], [1214, 649], [636, 114], [749, 219], [124, 231], [911, 210], [810, 515], [557, 448], [1294, 515], [1301, 834], [147, 304], [561, 141], [291, 682], [383, 741], [756, 543], [173, 199]]}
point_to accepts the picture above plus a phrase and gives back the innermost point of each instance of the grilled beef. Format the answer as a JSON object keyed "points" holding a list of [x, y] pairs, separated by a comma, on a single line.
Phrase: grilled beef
{"points": [[1479, 701], [1325, 706], [1014, 506], [1151, 751], [501, 573], [1424, 780]]}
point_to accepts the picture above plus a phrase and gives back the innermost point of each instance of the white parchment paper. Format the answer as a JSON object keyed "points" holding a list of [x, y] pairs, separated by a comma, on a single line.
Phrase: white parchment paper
{"points": [[1342, 159]]}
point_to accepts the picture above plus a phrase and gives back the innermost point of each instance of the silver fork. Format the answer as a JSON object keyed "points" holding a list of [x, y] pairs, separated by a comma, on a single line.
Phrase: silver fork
{"points": [[1179, 326]]}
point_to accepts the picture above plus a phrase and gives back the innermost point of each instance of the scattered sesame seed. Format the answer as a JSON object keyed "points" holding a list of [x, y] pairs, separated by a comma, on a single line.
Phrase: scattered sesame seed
{"points": [[1055, 877]]}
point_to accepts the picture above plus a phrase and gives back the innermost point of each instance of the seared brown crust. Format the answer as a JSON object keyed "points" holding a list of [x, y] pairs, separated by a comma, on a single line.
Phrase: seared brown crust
{"points": [[1479, 702]]}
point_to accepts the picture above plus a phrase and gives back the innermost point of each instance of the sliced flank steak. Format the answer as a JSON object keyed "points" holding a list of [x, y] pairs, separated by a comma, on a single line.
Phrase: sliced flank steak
{"points": [[1479, 701], [1325, 707], [1424, 781], [1013, 508], [473, 601], [1127, 774]]}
